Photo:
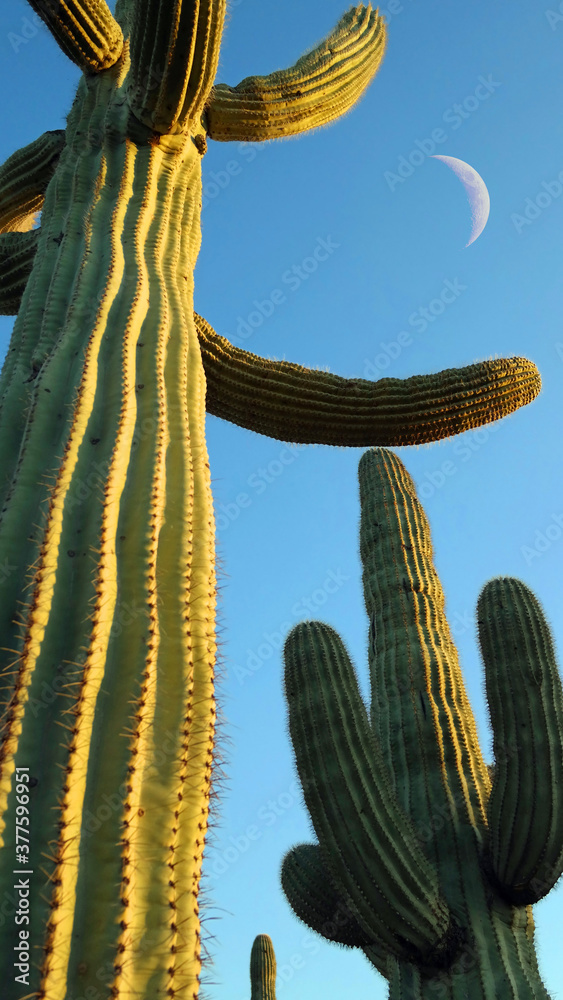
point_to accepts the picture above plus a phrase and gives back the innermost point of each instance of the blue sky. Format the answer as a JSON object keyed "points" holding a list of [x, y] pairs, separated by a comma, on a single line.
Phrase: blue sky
{"points": [[294, 540]]}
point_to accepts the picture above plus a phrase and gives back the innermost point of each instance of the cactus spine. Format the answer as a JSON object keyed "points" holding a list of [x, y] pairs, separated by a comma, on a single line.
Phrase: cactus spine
{"points": [[419, 862], [262, 969], [107, 612]]}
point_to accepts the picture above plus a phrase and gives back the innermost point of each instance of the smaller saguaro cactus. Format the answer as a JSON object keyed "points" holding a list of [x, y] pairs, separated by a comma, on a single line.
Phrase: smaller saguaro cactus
{"points": [[263, 969], [422, 861]]}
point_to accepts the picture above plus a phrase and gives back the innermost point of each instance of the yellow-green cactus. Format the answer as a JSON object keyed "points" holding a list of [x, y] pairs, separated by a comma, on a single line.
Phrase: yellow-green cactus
{"points": [[420, 862], [107, 613]]}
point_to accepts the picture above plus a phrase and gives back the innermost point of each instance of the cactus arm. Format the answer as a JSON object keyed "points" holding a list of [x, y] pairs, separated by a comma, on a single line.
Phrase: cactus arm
{"points": [[368, 841], [24, 177], [526, 706], [86, 31], [322, 85], [262, 969], [17, 253], [310, 892], [174, 56], [293, 403]]}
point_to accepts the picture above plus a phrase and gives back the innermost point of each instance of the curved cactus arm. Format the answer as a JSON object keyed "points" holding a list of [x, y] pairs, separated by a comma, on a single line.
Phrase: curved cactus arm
{"points": [[292, 403], [24, 177], [526, 706], [174, 56], [370, 844], [310, 892], [263, 969], [17, 253], [322, 86], [86, 31]]}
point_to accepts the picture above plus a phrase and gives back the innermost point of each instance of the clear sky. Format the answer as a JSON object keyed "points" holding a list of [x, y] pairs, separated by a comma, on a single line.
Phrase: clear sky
{"points": [[394, 246]]}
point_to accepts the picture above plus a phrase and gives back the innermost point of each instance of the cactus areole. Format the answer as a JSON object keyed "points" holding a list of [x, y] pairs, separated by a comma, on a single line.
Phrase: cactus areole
{"points": [[107, 610]]}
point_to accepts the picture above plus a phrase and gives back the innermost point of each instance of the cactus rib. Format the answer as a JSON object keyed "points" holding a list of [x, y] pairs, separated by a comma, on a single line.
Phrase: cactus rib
{"points": [[526, 706], [293, 403], [320, 87], [86, 31]]}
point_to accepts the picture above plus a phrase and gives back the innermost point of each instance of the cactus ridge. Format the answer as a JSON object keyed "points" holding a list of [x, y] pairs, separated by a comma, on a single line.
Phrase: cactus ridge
{"points": [[105, 494], [486, 852], [263, 969]]}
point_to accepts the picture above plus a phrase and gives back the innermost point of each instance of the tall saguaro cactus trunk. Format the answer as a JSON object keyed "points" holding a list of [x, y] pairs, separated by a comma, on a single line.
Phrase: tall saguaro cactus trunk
{"points": [[107, 590], [105, 475]]}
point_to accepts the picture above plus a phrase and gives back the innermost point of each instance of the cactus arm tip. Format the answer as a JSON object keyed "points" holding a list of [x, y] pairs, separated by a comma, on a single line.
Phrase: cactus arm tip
{"points": [[263, 969], [323, 85], [86, 31]]}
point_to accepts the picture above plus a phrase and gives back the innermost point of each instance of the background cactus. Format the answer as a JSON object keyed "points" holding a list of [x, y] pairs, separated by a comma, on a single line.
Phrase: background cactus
{"points": [[106, 504], [419, 862], [262, 969]]}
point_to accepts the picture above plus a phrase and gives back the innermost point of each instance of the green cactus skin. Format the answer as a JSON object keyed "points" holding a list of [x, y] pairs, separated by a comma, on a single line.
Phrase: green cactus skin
{"points": [[416, 763], [262, 969], [107, 614], [526, 704]]}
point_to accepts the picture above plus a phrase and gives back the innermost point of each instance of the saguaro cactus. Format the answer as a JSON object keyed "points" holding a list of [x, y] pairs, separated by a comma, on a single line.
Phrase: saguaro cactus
{"points": [[106, 534], [419, 862], [262, 969]]}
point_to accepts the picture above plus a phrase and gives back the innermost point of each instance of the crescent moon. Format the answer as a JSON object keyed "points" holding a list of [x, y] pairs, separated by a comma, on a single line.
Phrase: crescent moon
{"points": [[476, 190]]}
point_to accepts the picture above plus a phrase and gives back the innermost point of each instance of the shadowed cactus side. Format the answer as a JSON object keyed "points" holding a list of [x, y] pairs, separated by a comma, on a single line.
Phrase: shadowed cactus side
{"points": [[262, 969], [419, 861], [107, 612]]}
